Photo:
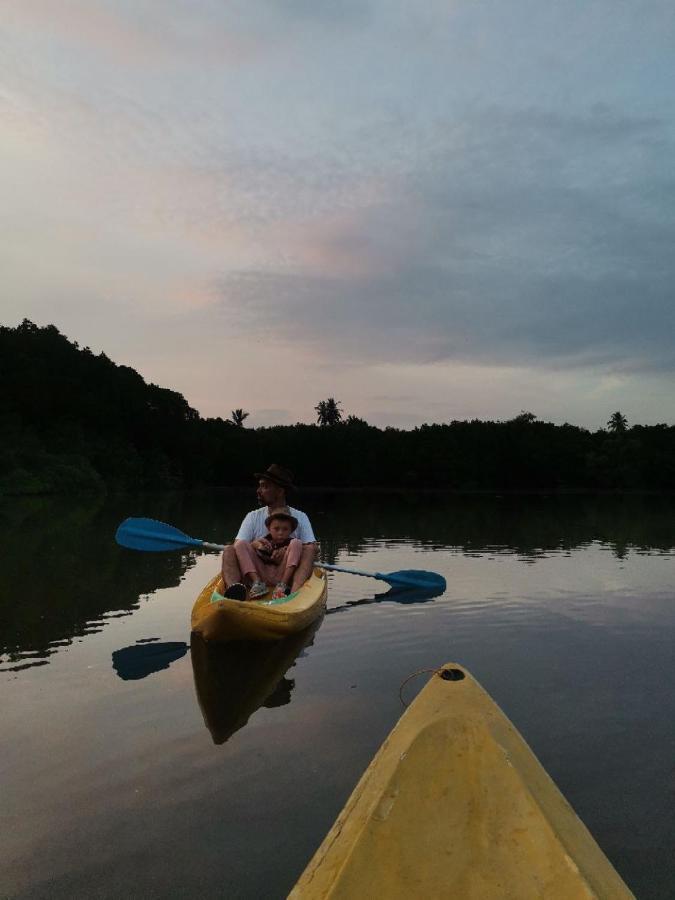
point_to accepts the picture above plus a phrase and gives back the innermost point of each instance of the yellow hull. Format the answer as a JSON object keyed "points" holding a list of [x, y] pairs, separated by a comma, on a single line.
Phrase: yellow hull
{"points": [[258, 620], [455, 804]]}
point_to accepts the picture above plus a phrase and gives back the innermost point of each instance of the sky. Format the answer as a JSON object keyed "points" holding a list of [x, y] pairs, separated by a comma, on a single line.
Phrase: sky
{"points": [[429, 211]]}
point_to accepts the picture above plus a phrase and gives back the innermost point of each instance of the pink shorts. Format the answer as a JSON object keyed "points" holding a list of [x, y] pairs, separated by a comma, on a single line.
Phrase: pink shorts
{"points": [[270, 573]]}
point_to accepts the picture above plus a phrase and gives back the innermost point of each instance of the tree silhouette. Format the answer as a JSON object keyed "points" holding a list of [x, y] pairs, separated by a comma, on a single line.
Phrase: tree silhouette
{"points": [[328, 412], [238, 416], [74, 421], [525, 417], [617, 423]]}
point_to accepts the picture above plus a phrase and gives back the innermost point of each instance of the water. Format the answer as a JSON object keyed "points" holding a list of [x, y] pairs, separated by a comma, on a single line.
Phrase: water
{"points": [[134, 765]]}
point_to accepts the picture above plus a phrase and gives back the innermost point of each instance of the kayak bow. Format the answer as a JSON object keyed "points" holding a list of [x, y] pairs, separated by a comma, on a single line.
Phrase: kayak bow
{"points": [[455, 804]]}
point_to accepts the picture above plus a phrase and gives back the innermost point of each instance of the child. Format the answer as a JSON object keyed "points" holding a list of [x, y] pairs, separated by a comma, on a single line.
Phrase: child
{"points": [[273, 559]]}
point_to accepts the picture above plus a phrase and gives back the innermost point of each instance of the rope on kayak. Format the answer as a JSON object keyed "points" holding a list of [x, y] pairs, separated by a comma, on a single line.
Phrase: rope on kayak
{"points": [[413, 675]]}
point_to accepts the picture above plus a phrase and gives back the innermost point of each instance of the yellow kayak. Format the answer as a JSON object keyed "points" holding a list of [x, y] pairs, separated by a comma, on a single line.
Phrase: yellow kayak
{"points": [[233, 680], [216, 618], [455, 804]]}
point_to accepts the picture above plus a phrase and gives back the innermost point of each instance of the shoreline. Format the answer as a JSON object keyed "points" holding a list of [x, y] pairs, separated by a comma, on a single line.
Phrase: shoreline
{"points": [[372, 490]]}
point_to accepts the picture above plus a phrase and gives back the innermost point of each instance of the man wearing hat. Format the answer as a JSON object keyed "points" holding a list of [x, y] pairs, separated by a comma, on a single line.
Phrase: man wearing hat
{"points": [[272, 487], [272, 560]]}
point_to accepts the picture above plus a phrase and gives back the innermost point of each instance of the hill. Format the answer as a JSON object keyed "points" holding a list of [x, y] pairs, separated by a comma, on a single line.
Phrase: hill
{"points": [[75, 421]]}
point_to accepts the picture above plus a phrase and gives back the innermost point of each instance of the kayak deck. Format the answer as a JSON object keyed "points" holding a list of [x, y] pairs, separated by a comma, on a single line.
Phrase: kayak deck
{"points": [[217, 618], [456, 804]]}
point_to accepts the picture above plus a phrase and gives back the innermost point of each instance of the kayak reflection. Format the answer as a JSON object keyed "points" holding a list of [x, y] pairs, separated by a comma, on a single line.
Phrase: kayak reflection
{"points": [[145, 657], [394, 595], [233, 680]]}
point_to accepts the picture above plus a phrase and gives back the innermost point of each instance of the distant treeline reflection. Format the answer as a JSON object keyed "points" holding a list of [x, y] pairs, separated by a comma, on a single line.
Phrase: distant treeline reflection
{"points": [[63, 576], [74, 421]]}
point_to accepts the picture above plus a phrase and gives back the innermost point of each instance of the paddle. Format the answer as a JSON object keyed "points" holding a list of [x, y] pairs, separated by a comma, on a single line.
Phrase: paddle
{"points": [[405, 577], [149, 534]]}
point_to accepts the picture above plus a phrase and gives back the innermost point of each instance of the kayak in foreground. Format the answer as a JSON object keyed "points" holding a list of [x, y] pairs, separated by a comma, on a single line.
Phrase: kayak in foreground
{"points": [[455, 804], [217, 618]]}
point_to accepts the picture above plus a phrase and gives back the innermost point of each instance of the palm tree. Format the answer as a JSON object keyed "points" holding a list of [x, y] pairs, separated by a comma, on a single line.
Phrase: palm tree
{"points": [[238, 416], [328, 412], [617, 423]]}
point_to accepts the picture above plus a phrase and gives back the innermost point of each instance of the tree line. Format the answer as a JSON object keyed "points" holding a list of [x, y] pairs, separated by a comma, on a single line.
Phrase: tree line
{"points": [[74, 421]]}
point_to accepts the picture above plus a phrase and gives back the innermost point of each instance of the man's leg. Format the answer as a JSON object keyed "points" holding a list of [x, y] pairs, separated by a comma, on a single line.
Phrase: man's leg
{"points": [[305, 566], [249, 562], [230, 566]]}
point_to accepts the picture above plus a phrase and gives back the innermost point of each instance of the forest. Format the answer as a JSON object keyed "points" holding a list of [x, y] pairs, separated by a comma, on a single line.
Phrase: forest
{"points": [[73, 421]]}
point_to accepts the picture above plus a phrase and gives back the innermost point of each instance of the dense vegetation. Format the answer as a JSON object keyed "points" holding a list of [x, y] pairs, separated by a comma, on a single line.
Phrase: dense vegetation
{"points": [[74, 421]]}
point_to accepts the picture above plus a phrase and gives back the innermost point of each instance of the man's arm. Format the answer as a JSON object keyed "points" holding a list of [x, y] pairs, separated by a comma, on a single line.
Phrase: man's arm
{"points": [[305, 531], [246, 531]]}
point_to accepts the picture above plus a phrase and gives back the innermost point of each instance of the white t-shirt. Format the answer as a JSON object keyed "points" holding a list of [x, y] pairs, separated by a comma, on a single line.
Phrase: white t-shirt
{"points": [[253, 526]]}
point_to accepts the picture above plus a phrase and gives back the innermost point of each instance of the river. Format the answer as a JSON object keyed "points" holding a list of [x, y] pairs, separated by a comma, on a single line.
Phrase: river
{"points": [[138, 763]]}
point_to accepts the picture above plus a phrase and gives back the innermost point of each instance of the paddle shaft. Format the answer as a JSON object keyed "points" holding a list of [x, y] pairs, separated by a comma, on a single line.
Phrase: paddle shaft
{"points": [[149, 534], [350, 571], [394, 579]]}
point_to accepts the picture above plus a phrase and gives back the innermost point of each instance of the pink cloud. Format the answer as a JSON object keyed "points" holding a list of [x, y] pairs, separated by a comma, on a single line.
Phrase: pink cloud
{"points": [[138, 40]]}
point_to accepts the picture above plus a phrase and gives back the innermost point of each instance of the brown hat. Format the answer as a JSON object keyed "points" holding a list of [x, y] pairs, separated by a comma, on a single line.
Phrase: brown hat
{"points": [[277, 474], [282, 512]]}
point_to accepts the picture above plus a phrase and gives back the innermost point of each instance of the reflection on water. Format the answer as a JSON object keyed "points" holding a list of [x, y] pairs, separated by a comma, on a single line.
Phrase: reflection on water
{"points": [[235, 679], [563, 607], [393, 595], [520, 524], [64, 577], [146, 656]]}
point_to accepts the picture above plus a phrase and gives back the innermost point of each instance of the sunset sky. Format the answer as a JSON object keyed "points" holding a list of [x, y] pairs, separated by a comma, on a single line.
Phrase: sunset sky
{"points": [[430, 211]]}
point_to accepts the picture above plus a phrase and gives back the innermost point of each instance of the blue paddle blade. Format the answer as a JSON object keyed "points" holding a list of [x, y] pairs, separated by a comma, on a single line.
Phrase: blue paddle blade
{"points": [[414, 578], [149, 534]]}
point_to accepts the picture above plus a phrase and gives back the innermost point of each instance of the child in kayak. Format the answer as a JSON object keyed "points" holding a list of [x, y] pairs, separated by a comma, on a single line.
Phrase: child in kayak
{"points": [[273, 486], [272, 559]]}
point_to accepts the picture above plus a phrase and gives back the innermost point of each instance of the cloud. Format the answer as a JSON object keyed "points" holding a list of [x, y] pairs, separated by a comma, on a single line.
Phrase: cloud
{"points": [[126, 33], [421, 188], [536, 239], [352, 13], [271, 416]]}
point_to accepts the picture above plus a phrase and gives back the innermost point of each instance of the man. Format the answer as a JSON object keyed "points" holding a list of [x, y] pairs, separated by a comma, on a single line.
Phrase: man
{"points": [[272, 487]]}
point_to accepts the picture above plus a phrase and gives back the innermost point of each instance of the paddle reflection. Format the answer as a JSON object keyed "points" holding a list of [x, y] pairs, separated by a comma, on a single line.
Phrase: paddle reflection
{"points": [[394, 595], [145, 657], [234, 680]]}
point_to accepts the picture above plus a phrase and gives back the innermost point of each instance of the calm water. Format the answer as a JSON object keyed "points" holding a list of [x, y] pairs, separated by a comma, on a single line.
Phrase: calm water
{"points": [[134, 765]]}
